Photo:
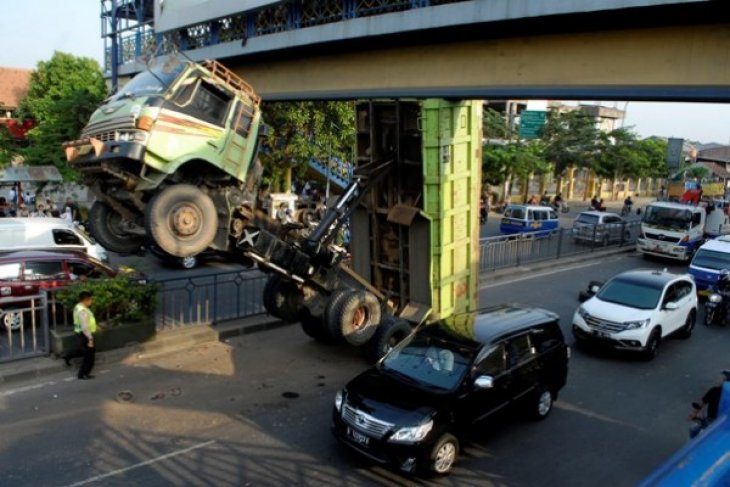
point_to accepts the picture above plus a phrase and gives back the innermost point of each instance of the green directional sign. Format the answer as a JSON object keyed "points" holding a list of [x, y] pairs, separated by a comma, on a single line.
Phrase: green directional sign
{"points": [[531, 123]]}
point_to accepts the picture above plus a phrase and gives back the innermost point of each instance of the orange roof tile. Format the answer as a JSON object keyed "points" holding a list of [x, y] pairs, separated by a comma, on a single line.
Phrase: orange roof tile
{"points": [[14, 84]]}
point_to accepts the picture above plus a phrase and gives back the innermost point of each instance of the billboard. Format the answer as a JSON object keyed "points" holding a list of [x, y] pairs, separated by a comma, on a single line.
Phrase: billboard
{"points": [[674, 153], [173, 14]]}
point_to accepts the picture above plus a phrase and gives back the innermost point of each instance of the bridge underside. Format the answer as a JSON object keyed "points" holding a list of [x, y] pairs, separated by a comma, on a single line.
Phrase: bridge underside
{"points": [[676, 63]]}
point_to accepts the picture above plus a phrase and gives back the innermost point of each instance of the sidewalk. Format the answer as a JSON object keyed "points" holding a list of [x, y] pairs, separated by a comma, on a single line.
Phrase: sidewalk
{"points": [[180, 339]]}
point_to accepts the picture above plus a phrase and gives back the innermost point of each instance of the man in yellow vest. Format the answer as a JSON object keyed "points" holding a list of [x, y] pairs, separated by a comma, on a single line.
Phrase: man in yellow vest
{"points": [[85, 327]]}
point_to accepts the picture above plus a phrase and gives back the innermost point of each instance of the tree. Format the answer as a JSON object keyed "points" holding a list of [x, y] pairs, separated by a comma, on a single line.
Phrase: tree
{"points": [[62, 95], [502, 163], [494, 125], [300, 131], [571, 140]]}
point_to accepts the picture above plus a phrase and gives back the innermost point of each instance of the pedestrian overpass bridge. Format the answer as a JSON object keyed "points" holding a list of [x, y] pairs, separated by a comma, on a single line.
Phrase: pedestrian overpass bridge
{"points": [[675, 50]]}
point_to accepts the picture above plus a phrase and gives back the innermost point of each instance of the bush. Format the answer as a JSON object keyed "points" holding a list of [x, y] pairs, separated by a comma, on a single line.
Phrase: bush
{"points": [[115, 300]]}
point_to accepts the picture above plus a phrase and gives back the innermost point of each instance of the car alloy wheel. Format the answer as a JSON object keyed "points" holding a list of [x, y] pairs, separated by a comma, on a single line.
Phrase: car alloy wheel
{"points": [[12, 320], [444, 454], [544, 403]]}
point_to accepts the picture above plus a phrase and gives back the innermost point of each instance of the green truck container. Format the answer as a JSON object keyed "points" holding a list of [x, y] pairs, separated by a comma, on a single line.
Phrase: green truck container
{"points": [[417, 238]]}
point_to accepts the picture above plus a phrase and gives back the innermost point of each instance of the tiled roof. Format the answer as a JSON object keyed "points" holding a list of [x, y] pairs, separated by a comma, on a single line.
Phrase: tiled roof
{"points": [[13, 86]]}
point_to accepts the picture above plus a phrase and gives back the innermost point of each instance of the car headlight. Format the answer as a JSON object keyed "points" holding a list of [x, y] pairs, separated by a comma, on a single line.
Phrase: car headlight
{"points": [[583, 313], [635, 325], [715, 298], [412, 434], [338, 400]]}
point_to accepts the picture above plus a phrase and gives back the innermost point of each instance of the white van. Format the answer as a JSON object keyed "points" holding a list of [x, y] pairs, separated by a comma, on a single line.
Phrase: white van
{"points": [[52, 234]]}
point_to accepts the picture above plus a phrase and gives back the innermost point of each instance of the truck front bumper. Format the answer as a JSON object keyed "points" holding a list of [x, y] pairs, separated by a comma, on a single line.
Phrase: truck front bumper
{"points": [[663, 249], [89, 154]]}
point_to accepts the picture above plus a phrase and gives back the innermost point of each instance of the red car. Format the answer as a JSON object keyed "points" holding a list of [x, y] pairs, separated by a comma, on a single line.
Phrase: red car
{"points": [[26, 273]]}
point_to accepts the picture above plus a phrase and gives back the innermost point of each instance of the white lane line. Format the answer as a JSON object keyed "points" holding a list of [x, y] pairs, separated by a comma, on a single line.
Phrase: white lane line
{"points": [[143, 464], [549, 272], [10, 392]]}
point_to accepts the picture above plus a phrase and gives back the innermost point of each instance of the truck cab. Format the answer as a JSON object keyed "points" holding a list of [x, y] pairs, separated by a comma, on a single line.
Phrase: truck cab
{"points": [[672, 230], [171, 159]]}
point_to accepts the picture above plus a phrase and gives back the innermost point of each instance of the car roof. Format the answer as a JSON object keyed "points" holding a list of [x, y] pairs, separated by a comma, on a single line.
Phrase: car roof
{"points": [[47, 255], [598, 213], [530, 207], [719, 244], [482, 327], [40, 221], [651, 277]]}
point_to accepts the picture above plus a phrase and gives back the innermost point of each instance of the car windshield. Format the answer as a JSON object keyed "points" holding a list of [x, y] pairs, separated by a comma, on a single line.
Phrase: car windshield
{"points": [[711, 259], [667, 218], [153, 81], [588, 219], [429, 362], [628, 292]]}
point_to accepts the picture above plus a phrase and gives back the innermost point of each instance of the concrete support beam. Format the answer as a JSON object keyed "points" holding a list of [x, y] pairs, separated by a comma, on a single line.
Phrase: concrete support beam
{"points": [[668, 63]]}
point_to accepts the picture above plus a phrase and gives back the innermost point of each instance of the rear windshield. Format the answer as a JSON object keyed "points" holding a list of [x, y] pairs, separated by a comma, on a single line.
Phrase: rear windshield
{"points": [[711, 259], [589, 219]]}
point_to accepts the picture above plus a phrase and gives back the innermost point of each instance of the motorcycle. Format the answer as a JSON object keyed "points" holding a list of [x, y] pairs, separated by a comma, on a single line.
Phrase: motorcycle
{"points": [[701, 421], [626, 210], [593, 288], [717, 304], [483, 212]]}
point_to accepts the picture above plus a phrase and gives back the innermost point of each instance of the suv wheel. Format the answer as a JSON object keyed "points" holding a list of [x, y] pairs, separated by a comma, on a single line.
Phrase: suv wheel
{"points": [[443, 455], [652, 344], [541, 404]]}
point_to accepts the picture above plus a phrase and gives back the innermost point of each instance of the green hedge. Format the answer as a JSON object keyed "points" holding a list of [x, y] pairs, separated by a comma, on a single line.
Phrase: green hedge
{"points": [[115, 300]]}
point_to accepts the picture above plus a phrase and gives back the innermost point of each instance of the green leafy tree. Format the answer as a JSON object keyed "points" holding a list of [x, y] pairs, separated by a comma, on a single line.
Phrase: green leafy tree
{"points": [[8, 147], [63, 93], [494, 125], [571, 140], [501, 163], [299, 131]]}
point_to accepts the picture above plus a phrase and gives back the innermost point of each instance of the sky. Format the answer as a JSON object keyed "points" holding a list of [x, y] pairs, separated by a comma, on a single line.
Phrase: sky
{"points": [[31, 30]]}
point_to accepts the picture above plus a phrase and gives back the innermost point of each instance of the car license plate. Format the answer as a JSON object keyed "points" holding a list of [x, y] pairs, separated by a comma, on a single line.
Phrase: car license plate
{"points": [[358, 437]]}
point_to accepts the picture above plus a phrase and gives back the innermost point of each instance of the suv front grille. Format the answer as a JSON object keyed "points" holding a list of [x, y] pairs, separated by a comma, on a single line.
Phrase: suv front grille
{"points": [[604, 325], [364, 422]]}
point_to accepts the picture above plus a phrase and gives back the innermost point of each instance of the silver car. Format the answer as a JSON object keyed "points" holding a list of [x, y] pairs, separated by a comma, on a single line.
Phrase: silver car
{"points": [[600, 227]]}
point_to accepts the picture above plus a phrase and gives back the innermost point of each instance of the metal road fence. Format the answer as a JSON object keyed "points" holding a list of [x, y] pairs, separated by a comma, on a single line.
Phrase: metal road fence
{"points": [[210, 298], [24, 331], [513, 250]]}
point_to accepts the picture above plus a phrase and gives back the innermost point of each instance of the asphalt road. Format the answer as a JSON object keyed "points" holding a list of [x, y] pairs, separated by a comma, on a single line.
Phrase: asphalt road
{"points": [[218, 415]]}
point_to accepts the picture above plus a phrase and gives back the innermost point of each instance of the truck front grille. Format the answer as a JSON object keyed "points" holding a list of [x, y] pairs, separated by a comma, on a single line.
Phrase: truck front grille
{"points": [[105, 127], [661, 238]]}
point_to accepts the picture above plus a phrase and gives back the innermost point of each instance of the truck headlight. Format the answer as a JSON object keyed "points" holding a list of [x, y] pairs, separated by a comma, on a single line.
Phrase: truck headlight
{"points": [[338, 400], [635, 325], [412, 434]]}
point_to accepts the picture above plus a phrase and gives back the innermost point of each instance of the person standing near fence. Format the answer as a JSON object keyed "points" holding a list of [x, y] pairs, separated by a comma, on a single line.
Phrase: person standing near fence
{"points": [[85, 327]]}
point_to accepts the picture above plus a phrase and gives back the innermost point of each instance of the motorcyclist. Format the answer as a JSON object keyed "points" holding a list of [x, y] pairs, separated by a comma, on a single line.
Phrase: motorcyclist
{"points": [[558, 201], [628, 204], [483, 210], [711, 401]]}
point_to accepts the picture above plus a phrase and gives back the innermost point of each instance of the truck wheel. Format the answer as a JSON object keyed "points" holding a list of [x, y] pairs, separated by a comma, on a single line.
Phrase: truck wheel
{"points": [[281, 299], [106, 226], [355, 318], [313, 327], [331, 318], [182, 220], [389, 333]]}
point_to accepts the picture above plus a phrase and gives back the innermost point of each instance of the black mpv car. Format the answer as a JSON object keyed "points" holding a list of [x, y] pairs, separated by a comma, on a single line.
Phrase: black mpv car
{"points": [[412, 408]]}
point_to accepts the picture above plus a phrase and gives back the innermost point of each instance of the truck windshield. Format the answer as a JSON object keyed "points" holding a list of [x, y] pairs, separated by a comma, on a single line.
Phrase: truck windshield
{"points": [[711, 259], [154, 81], [667, 218], [428, 362]]}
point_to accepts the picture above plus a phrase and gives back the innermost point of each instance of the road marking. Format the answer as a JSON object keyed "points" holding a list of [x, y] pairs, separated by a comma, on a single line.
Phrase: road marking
{"points": [[143, 464], [549, 272], [10, 392]]}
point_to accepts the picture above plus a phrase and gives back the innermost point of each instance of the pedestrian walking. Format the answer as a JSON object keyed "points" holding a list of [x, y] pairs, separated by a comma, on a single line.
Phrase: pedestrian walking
{"points": [[84, 327]]}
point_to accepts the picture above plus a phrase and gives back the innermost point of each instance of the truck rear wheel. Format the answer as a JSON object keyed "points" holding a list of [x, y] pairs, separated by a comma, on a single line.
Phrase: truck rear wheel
{"points": [[182, 220], [280, 299], [107, 227], [355, 317], [388, 334]]}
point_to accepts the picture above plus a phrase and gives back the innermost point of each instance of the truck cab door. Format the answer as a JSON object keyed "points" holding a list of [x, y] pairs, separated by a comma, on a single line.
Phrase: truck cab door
{"points": [[240, 142]]}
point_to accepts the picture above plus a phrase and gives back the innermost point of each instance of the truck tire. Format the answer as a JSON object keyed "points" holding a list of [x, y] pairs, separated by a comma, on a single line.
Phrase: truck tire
{"points": [[330, 317], [388, 334], [182, 220], [355, 318], [281, 299], [105, 227], [313, 327]]}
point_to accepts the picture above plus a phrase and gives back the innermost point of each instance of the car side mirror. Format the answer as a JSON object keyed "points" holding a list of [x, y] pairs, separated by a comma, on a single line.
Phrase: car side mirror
{"points": [[484, 382], [671, 306]]}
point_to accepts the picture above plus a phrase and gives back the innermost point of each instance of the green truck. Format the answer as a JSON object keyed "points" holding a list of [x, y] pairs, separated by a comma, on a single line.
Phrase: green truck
{"points": [[413, 212], [171, 159]]}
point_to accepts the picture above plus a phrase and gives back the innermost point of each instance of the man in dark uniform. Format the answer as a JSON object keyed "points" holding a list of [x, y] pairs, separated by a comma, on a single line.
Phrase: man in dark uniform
{"points": [[711, 400]]}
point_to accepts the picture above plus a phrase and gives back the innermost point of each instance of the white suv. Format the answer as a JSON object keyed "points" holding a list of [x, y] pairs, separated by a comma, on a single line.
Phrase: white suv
{"points": [[636, 309]]}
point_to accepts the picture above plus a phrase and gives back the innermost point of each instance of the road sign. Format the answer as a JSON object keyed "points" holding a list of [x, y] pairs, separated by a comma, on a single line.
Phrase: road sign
{"points": [[674, 153], [531, 123]]}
